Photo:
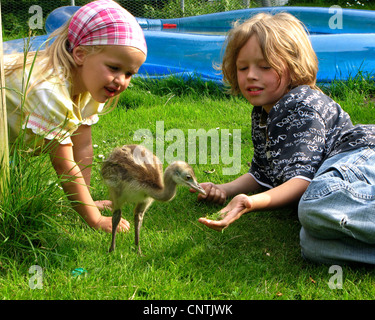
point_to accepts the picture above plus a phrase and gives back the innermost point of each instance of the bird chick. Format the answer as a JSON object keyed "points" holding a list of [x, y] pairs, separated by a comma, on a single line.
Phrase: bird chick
{"points": [[134, 174]]}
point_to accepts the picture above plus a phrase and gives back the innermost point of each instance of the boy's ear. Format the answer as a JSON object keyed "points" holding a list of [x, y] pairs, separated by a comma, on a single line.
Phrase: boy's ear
{"points": [[79, 55]]}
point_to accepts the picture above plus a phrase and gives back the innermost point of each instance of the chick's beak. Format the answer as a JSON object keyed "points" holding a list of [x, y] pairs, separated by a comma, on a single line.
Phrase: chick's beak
{"points": [[195, 185]]}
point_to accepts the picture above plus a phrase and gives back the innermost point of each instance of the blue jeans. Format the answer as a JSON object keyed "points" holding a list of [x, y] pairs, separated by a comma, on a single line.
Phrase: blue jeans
{"points": [[337, 211]]}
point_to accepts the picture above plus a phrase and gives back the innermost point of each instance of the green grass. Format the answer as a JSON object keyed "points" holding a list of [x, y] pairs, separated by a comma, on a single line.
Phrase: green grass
{"points": [[257, 257]]}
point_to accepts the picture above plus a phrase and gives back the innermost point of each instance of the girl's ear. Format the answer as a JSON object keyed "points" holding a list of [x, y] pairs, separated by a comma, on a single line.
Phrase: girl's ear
{"points": [[79, 55]]}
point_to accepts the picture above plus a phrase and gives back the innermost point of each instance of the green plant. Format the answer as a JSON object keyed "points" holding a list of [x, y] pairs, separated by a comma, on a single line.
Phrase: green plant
{"points": [[29, 215], [32, 200]]}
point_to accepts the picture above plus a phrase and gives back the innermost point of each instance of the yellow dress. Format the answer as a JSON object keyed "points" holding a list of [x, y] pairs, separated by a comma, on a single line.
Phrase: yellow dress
{"points": [[45, 109]]}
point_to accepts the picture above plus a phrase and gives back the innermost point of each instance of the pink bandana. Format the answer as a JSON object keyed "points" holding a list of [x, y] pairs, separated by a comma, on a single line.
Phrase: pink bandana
{"points": [[105, 22]]}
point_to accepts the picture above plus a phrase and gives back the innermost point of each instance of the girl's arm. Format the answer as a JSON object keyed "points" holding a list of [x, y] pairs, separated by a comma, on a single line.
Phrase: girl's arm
{"points": [[74, 184], [281, 196], [67, 162], [83, 155], [82, 151]]}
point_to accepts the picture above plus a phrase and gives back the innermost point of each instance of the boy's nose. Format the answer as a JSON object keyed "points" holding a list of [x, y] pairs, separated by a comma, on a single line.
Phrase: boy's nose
{"points": [[251, 75]]}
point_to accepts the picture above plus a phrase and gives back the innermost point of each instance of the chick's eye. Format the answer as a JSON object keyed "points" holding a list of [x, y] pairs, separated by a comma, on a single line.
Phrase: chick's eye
{"points": [[188, 177]]}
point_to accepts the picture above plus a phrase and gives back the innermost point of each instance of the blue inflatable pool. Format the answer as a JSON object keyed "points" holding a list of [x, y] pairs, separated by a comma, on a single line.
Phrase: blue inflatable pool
{"points": [[344, 40]]}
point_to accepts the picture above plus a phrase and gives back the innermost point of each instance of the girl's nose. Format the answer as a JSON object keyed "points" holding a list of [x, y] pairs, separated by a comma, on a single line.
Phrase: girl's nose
{"points": [[122, 80]]}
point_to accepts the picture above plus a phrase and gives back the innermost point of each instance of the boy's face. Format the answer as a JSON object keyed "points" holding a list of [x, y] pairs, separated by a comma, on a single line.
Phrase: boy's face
{"points": [[107, 73], [258, 81]]}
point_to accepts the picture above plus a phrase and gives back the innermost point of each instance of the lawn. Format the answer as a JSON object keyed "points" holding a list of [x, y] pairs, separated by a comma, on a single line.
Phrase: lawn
{"points": [[48, 252], [257, 257]]}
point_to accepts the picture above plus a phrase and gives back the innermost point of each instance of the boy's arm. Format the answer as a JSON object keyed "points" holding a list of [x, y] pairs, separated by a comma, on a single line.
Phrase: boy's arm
{"points": [[244, 184], [285, 194], [281, 196]]}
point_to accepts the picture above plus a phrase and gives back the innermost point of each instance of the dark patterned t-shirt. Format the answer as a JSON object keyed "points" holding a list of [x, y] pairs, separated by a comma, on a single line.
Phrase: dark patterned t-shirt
{"points": [[303, 129]]}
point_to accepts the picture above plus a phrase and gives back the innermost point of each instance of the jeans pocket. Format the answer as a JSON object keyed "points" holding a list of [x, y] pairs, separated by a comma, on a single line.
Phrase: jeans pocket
{"points": [[349, 177], [324, 184]]}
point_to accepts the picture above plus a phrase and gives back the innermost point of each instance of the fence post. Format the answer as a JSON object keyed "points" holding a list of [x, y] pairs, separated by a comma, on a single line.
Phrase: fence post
{"points": [[182, 6], [4, 149]]}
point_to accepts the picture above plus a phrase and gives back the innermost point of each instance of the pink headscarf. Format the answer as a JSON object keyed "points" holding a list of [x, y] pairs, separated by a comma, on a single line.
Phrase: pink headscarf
{"points": [[105, 22]]}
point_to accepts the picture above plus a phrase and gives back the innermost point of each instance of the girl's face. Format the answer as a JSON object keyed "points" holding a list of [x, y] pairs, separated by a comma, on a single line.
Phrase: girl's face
{"points": [[259, 83], [107, 73]]}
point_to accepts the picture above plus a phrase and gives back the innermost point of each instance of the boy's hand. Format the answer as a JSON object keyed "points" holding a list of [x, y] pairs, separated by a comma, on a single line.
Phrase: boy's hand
{"points": [[233, 211], [214, 193]]}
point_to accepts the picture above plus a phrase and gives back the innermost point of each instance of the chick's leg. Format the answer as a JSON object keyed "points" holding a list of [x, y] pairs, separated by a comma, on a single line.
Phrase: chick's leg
{"points": [[116, 217], [139, 212]]}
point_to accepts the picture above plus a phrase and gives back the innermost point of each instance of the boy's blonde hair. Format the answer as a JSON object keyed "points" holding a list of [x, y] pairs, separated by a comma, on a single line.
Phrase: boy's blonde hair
{"points": [[284, 43]]}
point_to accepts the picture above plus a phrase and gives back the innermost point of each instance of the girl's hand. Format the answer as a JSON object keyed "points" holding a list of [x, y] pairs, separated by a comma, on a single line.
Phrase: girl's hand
{"points": [[103, 204], [214, 193], [105, 224], [233, 211]]}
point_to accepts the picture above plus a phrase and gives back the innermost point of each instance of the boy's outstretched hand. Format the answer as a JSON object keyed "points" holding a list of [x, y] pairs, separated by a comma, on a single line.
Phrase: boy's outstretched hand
{"points": [[239, 205]]}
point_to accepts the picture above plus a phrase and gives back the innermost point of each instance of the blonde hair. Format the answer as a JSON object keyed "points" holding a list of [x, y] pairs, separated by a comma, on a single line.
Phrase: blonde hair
{"points": [[284, 43], [58, 60]]}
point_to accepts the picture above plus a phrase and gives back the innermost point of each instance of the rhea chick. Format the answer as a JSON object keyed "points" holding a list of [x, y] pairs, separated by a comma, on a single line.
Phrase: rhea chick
{"points": [[134, 174]]}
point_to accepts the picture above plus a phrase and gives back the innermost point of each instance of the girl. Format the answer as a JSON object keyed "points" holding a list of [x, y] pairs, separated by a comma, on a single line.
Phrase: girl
{"points": [[90, 62], [306, 148]]}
